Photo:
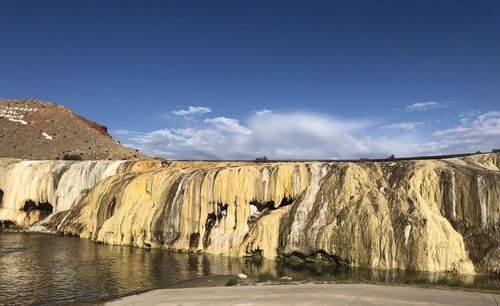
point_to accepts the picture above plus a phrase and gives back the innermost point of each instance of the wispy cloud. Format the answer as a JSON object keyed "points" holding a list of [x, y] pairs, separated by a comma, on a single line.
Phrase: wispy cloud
{"points": [[192, 110], [477, 128], [228, 125], [263, 112], [424, 106], [405, 126]]}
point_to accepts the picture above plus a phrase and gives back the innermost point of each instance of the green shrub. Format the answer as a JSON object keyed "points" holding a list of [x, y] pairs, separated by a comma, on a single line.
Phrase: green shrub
{"points": [[232, 281], [72, 157], [265, 277], [261, 159]]}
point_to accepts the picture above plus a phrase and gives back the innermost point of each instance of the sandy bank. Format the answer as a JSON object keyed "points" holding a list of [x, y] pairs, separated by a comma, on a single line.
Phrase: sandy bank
{"points": [[309, 294]]}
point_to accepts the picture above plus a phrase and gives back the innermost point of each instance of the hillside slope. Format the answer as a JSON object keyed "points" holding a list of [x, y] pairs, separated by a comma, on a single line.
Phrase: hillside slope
{"points": [[33, 129]]}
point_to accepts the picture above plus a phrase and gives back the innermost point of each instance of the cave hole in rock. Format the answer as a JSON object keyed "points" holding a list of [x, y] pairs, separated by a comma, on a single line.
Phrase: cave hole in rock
{"points": [[221, 210], [1, 198], [209, 223], [31, 205], [260, 208], [315, 258], [322, 255], [37, 211], [111, 208], [194, 239], [212, 219], [7, 224]]}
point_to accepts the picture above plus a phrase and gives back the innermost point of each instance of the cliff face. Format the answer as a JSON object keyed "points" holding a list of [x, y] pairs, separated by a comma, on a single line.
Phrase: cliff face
{"points": [[33, 190], [433, 215]]}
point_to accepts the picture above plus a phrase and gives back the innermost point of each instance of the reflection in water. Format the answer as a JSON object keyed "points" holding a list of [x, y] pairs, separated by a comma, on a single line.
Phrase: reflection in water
{"points": [[45, 268], [40, 268], [314, 272]]}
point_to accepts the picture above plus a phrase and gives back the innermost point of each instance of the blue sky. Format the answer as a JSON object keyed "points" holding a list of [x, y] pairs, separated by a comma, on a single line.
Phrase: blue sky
{"points": [[285, 79]]}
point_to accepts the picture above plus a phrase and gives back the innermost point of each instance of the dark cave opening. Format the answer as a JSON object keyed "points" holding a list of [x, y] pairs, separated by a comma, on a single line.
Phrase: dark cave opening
{"points": [[264, 207], [286, 201], [209, 223], [1, 198], [212, 219], [194, 239], [111, 208], [221, 210], [37, 211], [31, 205]]}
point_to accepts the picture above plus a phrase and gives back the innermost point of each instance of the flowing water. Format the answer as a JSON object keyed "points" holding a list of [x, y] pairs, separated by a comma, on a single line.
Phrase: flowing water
{"points": [[49, 269]]}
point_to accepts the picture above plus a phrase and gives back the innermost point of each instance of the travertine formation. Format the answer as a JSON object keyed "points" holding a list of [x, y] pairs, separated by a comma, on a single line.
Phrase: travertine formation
{"points": [[33, 190], [432, 215]]}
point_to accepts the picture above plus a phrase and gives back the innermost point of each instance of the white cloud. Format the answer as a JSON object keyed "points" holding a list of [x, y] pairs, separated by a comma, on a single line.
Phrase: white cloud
{"points": [[312, 136], [228, 125], [422, 106], [263, 112], [285, 136], [475, 125], [192, 110], [405, 126], [466, 117]]}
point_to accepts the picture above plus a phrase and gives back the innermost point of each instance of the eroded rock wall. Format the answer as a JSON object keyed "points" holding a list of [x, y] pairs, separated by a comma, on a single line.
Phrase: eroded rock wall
{"points": [[432, 215], [33, 190]]}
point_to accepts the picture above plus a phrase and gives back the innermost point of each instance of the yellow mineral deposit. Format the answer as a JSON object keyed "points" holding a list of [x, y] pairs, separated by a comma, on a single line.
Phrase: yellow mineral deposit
{"points": [[429, 215]]}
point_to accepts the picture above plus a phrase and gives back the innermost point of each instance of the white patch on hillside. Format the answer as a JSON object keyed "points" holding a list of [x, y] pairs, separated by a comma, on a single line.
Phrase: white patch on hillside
{"points": [[19, 121], [47, 136]]}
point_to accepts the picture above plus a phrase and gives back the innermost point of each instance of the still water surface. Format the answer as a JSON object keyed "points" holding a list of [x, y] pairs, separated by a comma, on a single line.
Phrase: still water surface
{"points": [[50, 269]]}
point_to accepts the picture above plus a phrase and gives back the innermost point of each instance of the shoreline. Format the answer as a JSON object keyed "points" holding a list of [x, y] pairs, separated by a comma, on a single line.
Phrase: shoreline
{"points": [[309, 293], [221, 281]]}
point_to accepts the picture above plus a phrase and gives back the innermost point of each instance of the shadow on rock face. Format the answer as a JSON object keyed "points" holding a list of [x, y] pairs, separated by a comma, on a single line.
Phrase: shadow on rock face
{"points": [[36, 211]]}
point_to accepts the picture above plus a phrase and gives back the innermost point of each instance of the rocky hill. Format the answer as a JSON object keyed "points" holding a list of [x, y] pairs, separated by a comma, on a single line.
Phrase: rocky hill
{"points": [[34, 129]]}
